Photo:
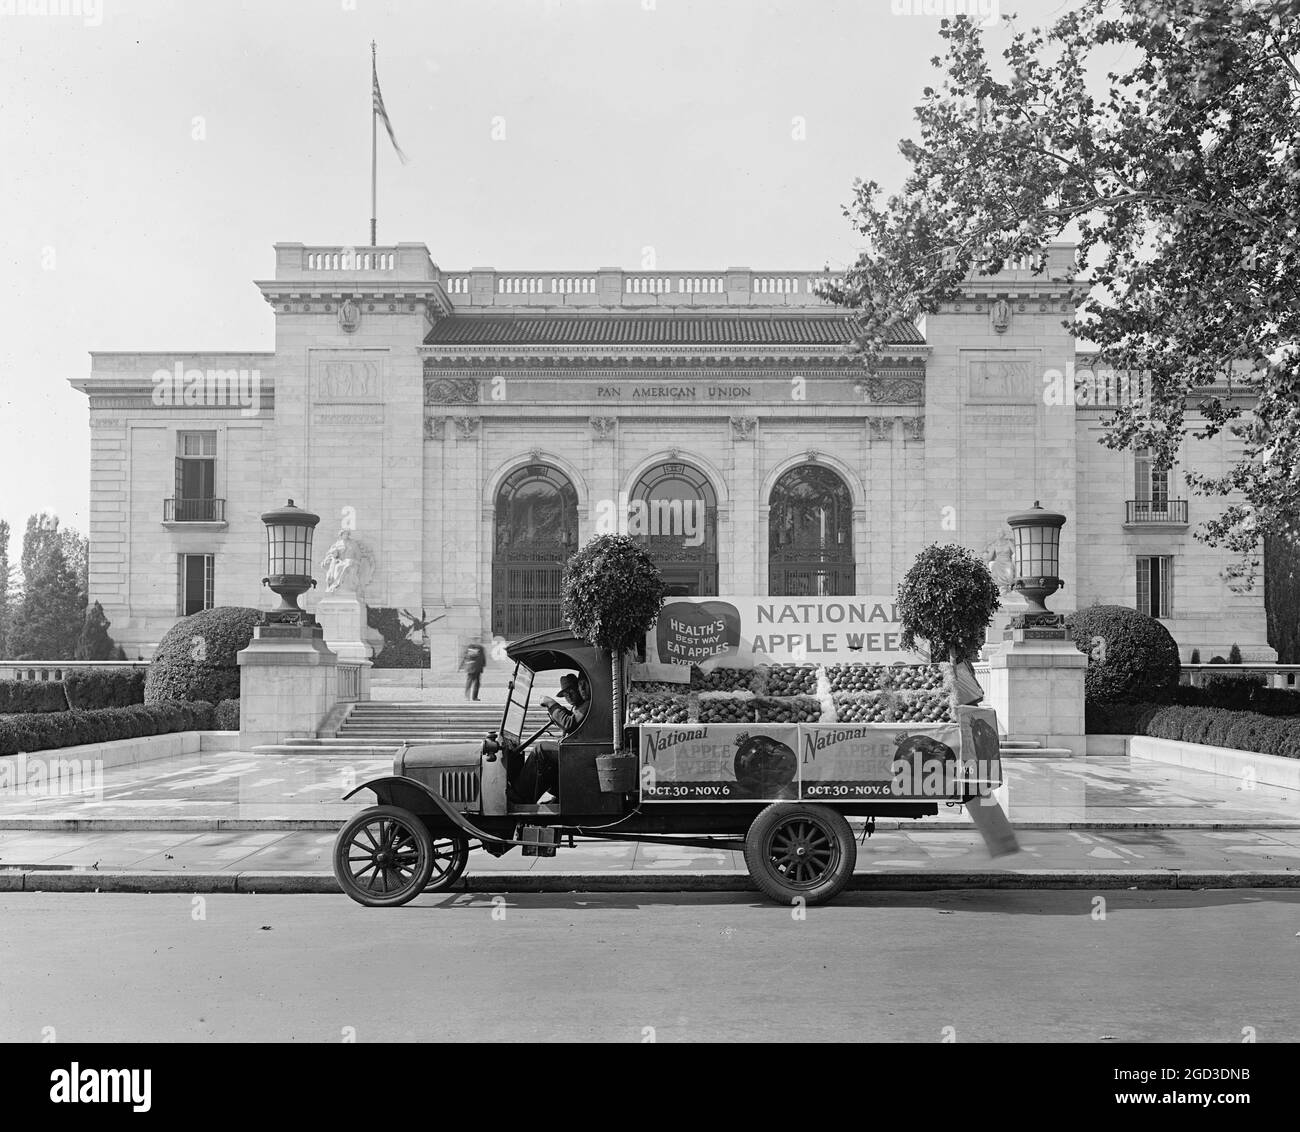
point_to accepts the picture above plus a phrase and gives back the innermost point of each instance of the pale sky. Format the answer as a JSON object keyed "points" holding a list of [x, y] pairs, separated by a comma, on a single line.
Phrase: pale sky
{"points": [[152, 153]]}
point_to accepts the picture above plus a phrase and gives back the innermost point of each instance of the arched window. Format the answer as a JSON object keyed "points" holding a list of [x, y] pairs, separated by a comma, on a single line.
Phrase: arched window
{"points": [[673, 511], [536, 530], [810, 534]]}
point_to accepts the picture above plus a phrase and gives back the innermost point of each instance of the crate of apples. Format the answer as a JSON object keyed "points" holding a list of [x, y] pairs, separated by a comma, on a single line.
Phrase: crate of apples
{"points": [[656, 708], [924, 707], [788, 709], [720, 679], [854, 678], [864, 707], [916, 677], [791, 680], [726, 709]]}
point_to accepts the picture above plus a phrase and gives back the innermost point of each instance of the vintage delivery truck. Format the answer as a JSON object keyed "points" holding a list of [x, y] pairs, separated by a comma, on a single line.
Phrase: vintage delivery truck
{"points": [[772, 761]]}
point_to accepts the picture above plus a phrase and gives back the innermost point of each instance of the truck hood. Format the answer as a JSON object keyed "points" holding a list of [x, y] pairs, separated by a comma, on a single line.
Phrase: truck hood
{"points": [[461, 753]]}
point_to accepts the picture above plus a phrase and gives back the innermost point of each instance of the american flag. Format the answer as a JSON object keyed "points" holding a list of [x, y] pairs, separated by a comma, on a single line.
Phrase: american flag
{"points": [[379, 109]]}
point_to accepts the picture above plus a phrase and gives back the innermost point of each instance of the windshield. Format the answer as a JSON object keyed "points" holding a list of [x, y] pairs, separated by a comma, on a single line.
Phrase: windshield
{"points": [[512, 724]]}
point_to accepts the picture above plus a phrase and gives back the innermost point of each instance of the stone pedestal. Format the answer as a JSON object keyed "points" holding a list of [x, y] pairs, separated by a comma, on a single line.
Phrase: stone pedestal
{"points": [[288, 684], [1036, 687], [348, 634]]}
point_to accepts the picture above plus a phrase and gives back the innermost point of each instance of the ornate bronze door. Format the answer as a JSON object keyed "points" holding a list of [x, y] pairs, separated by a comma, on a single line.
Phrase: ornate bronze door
{"points": [[673, 512], [536, 530], [810, 535]]}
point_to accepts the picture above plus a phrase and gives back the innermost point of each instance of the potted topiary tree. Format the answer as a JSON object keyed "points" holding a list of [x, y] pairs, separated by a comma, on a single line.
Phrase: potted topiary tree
{"points": [[610, 595], [947, 598]]}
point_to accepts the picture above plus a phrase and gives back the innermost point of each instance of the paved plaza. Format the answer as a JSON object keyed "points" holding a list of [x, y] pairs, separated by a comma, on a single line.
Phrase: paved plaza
{"points": [[239, 821]]}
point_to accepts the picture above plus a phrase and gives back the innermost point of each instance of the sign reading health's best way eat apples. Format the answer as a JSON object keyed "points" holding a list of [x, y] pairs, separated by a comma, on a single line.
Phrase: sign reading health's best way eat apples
{"points": [[740, 632]]}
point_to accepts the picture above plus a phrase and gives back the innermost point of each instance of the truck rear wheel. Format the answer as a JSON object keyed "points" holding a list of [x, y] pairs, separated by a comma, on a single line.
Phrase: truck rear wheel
{"points": [[796, 850]]}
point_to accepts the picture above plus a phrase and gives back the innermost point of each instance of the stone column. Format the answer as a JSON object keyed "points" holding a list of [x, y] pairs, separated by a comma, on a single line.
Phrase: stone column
{"points": [[288, 684]]}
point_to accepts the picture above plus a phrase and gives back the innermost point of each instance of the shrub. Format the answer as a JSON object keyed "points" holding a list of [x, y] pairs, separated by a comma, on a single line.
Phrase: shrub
{"points": [[1196, 657], [1217, 660], [1234, 654], [948, 598], [51, 730], [29, 696], [1215, 727], [1236, 693], [105, 687], [226, 716], [94, 642], [397, 654], [1130, 656], [610, 595], [196, 659]]}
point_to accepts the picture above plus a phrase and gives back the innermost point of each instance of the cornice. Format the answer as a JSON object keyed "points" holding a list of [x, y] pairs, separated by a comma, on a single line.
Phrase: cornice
{"points": [[691, 359], [428, 296]]}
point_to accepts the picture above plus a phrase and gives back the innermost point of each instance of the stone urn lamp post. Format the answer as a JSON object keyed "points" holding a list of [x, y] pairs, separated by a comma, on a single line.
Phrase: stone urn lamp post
{"points": [[1036, 559], [288, 680], [289, 532], [1036, 675]]}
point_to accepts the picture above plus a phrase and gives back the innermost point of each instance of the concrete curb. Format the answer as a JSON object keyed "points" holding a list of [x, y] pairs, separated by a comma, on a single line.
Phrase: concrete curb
{"points": [[881, 880]]}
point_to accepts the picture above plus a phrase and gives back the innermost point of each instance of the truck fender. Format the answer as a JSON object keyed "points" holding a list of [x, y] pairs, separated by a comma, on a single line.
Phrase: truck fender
{"points": [[407, 793]]}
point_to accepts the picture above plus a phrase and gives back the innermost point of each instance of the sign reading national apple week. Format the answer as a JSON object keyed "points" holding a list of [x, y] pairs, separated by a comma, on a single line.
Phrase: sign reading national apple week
{"points": [[727, 762], [741, 632], [818, 762]]}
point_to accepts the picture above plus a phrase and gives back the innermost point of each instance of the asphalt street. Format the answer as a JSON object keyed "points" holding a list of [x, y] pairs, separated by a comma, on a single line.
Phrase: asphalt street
{"points": [[970, 966]]}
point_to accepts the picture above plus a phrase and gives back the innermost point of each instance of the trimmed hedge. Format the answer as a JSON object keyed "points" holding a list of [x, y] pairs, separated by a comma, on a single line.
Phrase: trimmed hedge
{"points": [[105, 688], [1214, 727], [196, 659], [87, 690], [226, 717], [1130, 656], [50, 730], [1236, 693], [27, 696]]}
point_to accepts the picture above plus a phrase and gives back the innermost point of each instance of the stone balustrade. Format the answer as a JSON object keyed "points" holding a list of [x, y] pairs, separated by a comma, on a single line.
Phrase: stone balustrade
{"points": [[39, 670]]}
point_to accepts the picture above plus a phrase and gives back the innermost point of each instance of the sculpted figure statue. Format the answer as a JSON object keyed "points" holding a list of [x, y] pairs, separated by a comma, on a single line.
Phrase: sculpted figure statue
{"points": [[349, 565], [998, 555]]}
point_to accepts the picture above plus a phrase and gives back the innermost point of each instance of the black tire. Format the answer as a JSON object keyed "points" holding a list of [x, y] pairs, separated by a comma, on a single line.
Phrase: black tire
{"points": [[450, 854], [383, 857], [798, 850]]}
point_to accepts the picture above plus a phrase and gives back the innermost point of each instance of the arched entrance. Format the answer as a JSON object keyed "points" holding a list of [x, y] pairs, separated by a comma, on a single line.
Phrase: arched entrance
{"points": [[673, 512], [535, 532], [810, 534]]}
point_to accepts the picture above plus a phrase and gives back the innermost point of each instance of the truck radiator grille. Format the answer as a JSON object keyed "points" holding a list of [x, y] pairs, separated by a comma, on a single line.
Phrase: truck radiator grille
{"points": [[459, 785]]}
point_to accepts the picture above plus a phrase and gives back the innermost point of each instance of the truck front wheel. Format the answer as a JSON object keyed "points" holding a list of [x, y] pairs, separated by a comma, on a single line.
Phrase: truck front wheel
{"points": [[795, 850]]}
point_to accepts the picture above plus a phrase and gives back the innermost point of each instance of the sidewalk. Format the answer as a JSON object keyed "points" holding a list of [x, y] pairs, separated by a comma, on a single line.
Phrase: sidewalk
{"points": [[229, 821], [299, 861]]}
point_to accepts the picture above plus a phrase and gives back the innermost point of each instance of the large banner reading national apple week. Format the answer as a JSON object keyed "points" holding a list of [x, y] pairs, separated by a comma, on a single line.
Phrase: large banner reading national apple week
{"points": [[741, 632]]}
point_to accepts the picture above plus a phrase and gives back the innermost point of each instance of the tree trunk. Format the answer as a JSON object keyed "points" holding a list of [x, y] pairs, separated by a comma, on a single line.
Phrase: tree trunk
{"points": [[616, 671], [1282, 596]]}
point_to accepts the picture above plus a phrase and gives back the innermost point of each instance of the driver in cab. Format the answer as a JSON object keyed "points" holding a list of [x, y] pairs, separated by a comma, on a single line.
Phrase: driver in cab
{"points": [[539, 779], [568, 716]]}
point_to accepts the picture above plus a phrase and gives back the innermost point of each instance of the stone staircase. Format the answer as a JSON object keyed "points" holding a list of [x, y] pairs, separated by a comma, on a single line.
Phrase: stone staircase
{"points": [[376, 729], [1031, 749]]}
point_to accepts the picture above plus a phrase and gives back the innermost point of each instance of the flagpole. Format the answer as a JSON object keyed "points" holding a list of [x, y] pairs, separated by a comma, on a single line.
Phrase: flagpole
{"points": [[374, 151]]}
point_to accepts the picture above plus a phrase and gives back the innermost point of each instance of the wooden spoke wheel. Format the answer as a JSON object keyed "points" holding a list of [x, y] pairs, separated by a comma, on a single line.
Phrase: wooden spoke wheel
{"points": [[796, 850], [450, 853], [384, 857]]}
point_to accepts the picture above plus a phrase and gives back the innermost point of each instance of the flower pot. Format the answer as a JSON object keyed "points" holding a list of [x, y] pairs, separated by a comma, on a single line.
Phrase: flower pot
{"points": [[617, 773]]}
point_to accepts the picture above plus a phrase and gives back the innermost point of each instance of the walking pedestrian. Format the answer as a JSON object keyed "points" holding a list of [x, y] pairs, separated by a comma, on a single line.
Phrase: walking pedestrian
{"points": [[473, 662]]}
